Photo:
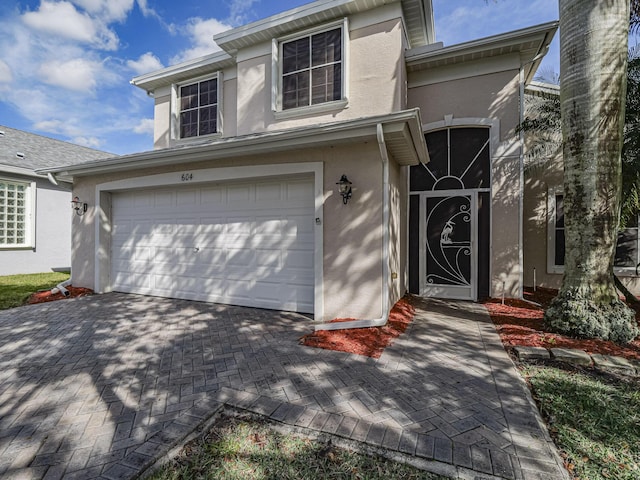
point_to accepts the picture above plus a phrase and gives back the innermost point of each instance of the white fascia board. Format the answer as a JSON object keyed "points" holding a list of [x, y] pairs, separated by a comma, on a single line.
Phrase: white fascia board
{"points": [[543, 88], [337, 132], [457, 71], [430, 26], [515, 38], [298, 13], [166, 76], [26, 172], [305, 16]]}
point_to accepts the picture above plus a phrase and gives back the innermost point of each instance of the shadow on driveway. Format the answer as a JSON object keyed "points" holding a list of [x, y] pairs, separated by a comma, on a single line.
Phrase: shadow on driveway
{"points": [[102, 386]]}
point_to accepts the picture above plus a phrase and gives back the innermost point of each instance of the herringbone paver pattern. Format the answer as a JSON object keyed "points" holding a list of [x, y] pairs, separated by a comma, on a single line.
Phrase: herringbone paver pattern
{"points": [[99, 387]]}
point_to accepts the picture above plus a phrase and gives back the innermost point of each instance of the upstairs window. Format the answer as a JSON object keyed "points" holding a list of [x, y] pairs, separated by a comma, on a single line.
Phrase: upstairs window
{"points": [[198, 108], [15, 214], [312, 69]]}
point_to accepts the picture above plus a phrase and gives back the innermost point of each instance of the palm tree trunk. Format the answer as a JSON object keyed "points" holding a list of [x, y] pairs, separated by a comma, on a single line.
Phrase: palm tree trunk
{"points": [[593, 46]]}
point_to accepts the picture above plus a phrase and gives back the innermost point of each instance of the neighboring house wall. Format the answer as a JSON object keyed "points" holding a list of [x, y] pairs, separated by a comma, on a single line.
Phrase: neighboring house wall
{"points": [[52, 230], [542, 183]]}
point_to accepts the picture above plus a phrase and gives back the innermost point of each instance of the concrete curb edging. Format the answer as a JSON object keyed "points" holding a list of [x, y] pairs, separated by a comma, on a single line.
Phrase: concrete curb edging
{"points": [[236, 402], [607, 363]]}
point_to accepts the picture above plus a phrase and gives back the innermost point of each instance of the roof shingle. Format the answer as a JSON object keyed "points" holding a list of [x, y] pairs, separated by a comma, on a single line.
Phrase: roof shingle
{"points": [[30, 151]]}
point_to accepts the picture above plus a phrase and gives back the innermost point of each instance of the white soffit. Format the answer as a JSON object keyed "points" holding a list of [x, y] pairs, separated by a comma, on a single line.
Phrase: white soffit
{"points": [[418, 19], [543, 89], [306, 16], [530, 43], [190, 69], [403, 135]]}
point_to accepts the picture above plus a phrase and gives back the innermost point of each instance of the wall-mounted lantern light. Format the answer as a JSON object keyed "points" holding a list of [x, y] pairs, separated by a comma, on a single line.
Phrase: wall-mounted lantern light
{"points": [[344, 188], [78, 206]]}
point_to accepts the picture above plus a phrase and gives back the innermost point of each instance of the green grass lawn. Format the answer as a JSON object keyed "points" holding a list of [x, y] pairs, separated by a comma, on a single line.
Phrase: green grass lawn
{"points": [[15, 289], [594, 419], [248, 449]]}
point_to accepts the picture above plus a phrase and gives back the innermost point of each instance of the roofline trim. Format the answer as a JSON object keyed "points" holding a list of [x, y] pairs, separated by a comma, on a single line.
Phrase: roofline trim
{"points": [[420, 54], [256, 144], [211, 60]]}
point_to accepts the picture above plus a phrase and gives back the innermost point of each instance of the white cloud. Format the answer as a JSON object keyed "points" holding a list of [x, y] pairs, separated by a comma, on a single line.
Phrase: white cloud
{"points": [[91, 142], [144, 127], [55, 126], [148, 11], [63, 20], [108, 10], [146, 63], [5, 73], [200, 32], [78, 74], [238, 11]]}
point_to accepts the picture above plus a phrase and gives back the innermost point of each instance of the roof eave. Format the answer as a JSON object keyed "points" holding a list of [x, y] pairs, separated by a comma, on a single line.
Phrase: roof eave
{"points": [[307, 137], [166, 76], [545, 32], [27, 172]]}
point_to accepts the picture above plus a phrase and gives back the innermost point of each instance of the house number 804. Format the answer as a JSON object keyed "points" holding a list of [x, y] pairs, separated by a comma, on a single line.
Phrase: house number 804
{"points": [[186, 177]]}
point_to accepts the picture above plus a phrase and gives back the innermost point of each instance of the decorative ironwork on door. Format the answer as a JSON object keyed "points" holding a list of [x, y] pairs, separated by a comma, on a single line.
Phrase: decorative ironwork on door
{"points": [[449, 230], [449, 187]]}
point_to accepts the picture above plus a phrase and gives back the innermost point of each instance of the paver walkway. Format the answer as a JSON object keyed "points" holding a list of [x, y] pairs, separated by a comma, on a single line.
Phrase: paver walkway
{"points": [[99, 387]]}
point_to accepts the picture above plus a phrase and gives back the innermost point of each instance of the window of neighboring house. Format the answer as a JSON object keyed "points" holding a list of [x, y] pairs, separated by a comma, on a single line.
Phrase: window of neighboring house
{"points": [[15, 214], [198, 108], [627, 251], [312, 69]]}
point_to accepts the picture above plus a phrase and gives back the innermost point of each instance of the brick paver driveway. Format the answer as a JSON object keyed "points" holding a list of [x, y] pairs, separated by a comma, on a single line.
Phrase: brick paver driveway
{"points": [[99, 387]]}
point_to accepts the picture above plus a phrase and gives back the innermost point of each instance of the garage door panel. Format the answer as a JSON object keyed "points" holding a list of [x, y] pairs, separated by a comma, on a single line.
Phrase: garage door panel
{"points": [[239, 194], [270, 258], [248, 244], [299, 259], [164, 282], [187, 197]]}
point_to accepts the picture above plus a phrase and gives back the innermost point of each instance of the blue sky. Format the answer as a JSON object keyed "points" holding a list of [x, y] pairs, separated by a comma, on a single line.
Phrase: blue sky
{"points": [[65, 65]]}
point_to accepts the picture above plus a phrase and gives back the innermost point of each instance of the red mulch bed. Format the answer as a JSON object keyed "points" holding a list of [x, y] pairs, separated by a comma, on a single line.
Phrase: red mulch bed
{"points": [[47, 296], [519, 323], [370, 342]]}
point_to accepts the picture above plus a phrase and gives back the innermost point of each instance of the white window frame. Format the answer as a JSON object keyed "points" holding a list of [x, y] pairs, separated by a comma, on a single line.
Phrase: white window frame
{"points": [[30, 215], [552, 192], [175, 108], [276, 72]]}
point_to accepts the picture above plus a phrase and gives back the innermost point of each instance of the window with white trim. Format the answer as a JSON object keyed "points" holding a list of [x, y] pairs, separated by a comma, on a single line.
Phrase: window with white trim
{"points": [[15, 214], [198, 108], [312, 69], [627, 249]]}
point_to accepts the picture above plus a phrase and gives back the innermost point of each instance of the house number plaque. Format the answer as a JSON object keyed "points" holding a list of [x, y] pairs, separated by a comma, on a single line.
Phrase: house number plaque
{"points": [[186, 177]]}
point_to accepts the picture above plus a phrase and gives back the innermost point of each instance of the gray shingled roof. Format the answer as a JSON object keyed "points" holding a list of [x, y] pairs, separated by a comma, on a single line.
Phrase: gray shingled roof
{"points": [[30, 151]]}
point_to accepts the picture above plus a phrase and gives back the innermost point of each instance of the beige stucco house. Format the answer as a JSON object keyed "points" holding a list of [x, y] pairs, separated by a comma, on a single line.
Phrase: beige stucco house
{"points": [[239, 201]]}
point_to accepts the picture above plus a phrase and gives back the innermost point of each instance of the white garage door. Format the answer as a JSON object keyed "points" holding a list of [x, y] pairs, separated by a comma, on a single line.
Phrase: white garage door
{"points": [[245, 244]]}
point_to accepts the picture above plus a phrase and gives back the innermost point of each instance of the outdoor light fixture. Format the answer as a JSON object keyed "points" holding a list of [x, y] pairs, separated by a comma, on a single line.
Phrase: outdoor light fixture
{"points": [[344, 188], [78, 206]]}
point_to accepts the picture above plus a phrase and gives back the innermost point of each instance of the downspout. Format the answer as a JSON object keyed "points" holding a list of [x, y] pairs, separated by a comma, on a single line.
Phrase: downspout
{"points": [[521, 193], [60, 288], [382, 320]]}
